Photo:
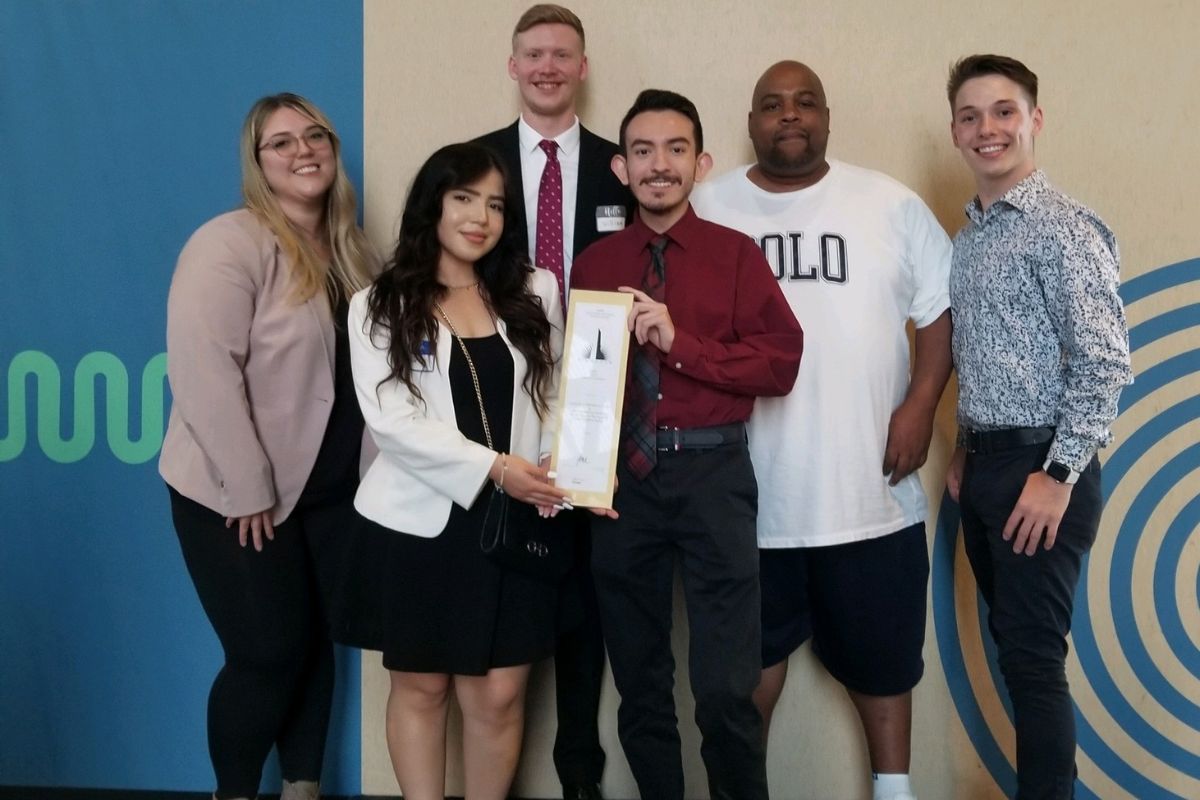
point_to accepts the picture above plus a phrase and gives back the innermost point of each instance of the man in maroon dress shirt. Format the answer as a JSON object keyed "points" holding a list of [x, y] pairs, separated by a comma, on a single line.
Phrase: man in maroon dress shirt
{"points": [[712, 332]]}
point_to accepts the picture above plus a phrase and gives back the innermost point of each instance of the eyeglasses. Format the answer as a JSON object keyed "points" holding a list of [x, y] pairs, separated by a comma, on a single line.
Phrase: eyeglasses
{"points": [[286, 145]]}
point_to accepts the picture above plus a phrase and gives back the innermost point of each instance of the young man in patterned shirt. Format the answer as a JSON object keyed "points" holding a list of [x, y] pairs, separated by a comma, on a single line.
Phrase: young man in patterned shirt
{"points": [[1042, 352]]}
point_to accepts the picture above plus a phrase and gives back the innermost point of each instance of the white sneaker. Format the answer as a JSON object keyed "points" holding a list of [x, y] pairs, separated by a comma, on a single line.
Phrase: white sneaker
{"points": [[300, 790]]}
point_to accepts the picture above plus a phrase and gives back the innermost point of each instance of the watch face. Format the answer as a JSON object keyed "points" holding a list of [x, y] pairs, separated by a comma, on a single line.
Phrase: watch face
{"points": [[1060, 472]]}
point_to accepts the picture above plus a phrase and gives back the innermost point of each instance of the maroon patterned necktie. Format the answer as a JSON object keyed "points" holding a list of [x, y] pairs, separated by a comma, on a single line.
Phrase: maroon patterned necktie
{"points": [[639, 439], [548, 249]]}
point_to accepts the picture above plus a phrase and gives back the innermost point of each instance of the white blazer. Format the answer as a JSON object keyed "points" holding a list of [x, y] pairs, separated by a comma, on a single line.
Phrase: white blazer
{"points": [[424, 462]]}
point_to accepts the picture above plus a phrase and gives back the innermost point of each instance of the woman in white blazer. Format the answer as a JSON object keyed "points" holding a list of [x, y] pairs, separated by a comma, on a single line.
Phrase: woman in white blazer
{"points": [[455, 350], [261, 452]]}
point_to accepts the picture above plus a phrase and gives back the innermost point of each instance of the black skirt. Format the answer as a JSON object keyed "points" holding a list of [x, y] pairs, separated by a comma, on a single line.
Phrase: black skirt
{"points": [[444, 606]]}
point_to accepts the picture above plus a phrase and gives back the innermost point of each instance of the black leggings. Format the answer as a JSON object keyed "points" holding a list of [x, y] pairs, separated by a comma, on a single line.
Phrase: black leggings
{"points": [[276, 686]]}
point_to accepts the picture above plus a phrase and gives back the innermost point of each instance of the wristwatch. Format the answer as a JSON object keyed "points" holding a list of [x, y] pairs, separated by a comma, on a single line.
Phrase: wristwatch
{"points": [[1060, 472]]}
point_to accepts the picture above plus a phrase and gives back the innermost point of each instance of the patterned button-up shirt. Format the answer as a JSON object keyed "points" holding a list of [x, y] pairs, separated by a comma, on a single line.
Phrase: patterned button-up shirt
{"points": [[1039, 330]]}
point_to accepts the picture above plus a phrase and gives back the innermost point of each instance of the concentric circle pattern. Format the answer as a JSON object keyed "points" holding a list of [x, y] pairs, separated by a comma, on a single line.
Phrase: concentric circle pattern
{"points": [[1135, 659]]}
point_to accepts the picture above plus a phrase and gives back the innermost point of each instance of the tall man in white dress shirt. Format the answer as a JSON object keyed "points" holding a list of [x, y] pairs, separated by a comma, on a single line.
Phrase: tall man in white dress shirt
{"points": [[571, 198]]}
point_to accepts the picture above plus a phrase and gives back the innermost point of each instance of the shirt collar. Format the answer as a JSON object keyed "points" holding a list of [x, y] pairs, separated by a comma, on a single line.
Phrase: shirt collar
{"points": [[683, 233], [568, 140], [1022, 197]]}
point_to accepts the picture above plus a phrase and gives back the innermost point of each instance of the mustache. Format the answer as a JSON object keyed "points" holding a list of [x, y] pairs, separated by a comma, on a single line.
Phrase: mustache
{"points": [[661, 176], [790, 133]]}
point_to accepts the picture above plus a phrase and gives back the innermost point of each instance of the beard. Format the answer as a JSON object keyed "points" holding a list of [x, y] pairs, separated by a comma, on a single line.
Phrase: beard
{"points": [[661, 205], [674, 195], [779, 162]]}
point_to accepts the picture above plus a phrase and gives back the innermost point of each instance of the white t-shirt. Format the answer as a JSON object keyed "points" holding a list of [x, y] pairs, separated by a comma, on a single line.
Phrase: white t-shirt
{"points": [[857, 255]]}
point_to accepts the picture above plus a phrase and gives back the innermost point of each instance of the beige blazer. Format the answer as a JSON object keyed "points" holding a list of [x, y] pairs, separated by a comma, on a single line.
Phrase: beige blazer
{"points": [[251, 373], [425, 464]]}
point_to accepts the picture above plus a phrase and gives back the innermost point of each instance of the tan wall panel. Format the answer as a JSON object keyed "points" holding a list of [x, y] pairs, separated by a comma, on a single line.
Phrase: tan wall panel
{"points": [[1119, 89]]}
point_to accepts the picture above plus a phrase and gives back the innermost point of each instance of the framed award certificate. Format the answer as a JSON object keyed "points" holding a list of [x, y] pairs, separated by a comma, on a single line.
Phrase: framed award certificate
{"points": [[591, 393]]}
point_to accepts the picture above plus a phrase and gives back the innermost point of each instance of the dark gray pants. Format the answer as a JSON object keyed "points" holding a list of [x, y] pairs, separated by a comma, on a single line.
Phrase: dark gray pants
{"points": [[700, 507], [1030, 600], [579, 673]]}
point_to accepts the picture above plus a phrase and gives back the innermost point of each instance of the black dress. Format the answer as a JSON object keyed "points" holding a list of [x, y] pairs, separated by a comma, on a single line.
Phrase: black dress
{"points": [[446, 607], [342, 545]]}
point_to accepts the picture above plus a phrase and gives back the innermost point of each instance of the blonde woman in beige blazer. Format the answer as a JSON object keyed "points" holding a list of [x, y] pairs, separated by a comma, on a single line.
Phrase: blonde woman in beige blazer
{"points": [[261, 452], [455, 351]]}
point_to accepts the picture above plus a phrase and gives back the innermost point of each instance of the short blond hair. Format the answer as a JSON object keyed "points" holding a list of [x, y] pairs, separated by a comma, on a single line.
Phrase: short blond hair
{"points": [[548, 14]]}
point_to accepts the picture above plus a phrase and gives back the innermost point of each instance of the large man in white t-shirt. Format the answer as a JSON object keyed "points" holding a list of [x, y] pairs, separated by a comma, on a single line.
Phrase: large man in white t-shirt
{"points": [[841, 513]]}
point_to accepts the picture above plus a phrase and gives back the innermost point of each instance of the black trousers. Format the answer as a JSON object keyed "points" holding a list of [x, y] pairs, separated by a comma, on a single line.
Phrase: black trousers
{"points": [[579, 673], [276, 686], [698, 507], [1030, 600]]}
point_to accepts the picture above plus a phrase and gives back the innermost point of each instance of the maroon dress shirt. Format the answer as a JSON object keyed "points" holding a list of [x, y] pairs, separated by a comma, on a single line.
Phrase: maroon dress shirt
{"points": [[736, 337]]}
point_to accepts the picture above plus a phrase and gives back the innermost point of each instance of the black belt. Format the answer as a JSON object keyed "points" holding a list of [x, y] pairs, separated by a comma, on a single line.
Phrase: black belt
{"points": [[984, 442], [674, 439]]}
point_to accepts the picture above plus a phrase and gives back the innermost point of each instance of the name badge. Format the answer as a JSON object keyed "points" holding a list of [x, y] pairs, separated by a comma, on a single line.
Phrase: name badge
{"points": [[610, 218], [425, 362]]}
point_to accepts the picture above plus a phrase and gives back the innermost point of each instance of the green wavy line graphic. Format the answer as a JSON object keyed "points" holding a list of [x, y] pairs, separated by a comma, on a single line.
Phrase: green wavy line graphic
{"points": [[83, 436]]}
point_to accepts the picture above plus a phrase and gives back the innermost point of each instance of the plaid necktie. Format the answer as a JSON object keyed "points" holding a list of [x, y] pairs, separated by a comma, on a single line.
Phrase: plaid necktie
{"points": [[641, 400], [548, 248]]}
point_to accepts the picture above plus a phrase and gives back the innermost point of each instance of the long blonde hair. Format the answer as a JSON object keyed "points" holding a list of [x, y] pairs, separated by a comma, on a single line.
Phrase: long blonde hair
{"points": [[354, 261]]}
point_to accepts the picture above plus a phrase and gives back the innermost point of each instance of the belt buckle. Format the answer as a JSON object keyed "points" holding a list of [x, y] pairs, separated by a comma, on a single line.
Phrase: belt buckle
{"points": [[676, 444]]}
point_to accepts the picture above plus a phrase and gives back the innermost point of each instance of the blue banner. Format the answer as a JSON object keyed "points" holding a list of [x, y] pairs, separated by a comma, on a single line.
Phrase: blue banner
{"points": [[119, 124]]}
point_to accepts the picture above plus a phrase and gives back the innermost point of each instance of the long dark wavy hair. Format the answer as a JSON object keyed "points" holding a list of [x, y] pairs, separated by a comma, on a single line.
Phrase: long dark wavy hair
{"points": [[401, 302]]}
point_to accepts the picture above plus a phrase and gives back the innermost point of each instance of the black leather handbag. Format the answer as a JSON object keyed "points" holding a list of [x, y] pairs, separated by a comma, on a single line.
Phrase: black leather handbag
{"points": [[517, 538]]}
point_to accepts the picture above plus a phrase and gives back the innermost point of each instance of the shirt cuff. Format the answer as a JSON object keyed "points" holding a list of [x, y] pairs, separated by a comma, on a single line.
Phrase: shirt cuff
{"points": [[685, 352], [1074, 451]]}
